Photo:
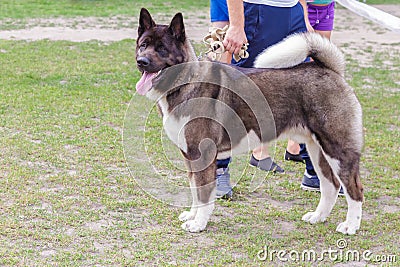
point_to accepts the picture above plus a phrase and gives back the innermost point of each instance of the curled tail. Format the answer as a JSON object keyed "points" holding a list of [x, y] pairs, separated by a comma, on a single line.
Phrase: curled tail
{"points": [[297, 47]]}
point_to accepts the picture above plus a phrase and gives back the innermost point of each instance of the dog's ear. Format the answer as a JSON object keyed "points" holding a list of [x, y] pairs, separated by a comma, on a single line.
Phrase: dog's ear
{"points": [[145, 21], [177, 28]]}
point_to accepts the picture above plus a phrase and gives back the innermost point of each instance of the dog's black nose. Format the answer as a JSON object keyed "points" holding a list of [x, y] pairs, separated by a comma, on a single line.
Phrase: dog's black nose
{"points": [[143, 61]]}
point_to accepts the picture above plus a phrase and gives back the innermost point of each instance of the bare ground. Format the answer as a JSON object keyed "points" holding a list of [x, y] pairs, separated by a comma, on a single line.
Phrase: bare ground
{"points": [[349, 28], [353, 33]]}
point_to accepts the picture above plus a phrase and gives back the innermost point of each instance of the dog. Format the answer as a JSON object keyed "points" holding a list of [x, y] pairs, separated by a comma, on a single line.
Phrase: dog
{"points": [[280, 97]]}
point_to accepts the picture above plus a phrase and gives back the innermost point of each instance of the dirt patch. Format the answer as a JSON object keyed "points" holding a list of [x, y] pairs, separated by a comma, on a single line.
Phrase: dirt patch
{"points": [[360, 38], [83, 29], [357, 37], [349, 28]]}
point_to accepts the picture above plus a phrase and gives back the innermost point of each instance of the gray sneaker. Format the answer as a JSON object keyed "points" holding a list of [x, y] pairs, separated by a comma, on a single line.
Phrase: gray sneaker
{"points": [[224, 188]]}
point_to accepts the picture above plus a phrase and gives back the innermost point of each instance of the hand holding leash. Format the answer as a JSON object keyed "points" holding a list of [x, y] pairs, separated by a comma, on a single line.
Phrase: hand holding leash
{"points": [[215, 42]]}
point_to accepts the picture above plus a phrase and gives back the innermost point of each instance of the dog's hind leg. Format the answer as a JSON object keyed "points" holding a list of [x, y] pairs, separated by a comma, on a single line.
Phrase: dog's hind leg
{"points": [[203, 188], [349, 176], [345, 168], [329, 185]]}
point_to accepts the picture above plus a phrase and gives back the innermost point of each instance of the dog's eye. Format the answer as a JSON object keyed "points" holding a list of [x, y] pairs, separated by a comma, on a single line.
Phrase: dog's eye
{"points": [[143, 45], [162, 50], [161, 47]]}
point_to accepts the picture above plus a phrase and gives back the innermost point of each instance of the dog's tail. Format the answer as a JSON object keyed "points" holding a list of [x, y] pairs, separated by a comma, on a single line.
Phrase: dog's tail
{"points": [[297, 47]]}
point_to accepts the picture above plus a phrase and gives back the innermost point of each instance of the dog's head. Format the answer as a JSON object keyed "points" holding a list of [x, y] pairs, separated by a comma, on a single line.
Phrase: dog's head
{"points": [[158, 47]]}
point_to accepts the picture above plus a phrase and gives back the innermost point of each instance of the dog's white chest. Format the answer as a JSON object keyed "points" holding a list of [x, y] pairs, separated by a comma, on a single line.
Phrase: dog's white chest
{"points": [[175, 130], [174, 126]]}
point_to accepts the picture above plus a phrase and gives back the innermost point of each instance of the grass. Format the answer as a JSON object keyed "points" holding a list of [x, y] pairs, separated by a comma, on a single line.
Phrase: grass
{"points": [[99, 8], [67, 198], [116, 14]]}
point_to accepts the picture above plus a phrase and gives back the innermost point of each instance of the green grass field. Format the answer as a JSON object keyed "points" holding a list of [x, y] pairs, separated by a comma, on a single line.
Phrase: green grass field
{"points": [[102, 8], [67, 197], [71, 8]]}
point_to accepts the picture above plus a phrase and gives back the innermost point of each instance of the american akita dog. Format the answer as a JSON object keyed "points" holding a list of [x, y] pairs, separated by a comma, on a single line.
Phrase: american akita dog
{"points": [[309, 102]]}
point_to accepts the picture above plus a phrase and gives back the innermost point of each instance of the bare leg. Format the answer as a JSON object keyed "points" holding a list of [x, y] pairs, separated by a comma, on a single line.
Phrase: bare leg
{"points": [[261, 152], [326, 34], [293, 147]]}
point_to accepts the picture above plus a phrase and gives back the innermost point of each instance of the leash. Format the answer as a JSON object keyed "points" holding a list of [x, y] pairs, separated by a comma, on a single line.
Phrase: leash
{"points": [[213, 42]]}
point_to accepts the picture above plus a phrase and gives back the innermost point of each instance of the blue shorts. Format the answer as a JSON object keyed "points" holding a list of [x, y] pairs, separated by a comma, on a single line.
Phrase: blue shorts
{"points": [[218, 10], [268, 25]]}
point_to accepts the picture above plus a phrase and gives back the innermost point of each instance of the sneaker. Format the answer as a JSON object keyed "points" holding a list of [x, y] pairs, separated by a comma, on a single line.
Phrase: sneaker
{"points": [[266, 164], [293, 157], [224, 188], [311, 183]]}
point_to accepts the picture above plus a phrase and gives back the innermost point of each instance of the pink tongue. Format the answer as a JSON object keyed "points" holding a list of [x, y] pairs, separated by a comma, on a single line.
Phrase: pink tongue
{"points": [[144, 84]]}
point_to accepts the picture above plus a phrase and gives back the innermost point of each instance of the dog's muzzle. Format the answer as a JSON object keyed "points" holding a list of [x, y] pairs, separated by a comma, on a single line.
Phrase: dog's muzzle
{"points": [[142, 62]]}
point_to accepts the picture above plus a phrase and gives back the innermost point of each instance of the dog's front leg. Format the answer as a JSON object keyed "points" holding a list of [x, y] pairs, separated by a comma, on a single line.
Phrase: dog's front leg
{"points": [[190, 215], [202, 185]]}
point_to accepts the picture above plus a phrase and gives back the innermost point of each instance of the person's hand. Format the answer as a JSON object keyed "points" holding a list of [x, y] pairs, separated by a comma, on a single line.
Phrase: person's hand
{"points": [[234, 39], [309, 27]]}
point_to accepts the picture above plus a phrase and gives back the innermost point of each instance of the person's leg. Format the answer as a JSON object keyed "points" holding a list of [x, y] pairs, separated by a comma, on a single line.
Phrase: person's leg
{"points": [[296, 24], [264, 26], [304, 154], [220, 18], [224, 188], [293, 147], [293, 152], [326, 34], [321, 18], [290, 20], [310, 178], [260, 158], [260, 152]]}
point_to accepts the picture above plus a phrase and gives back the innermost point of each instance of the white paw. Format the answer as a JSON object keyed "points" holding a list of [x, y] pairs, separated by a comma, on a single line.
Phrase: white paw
{"points": [[348, 228], [186, 216], [193, 226], [313, 217]]}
